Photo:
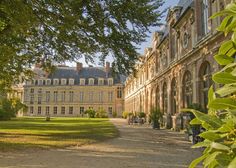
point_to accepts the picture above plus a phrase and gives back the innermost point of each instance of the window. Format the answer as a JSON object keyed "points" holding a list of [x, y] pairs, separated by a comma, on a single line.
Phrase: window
{"points": [[91, 81], [55, 82], [110, 82], [110, 110], [63, 110], [90, 96], [205, 83], [81, 110], [55, 96], [47, 110], [205, 15], [70, 110], [71, 96], [31, 110], [71, 81], [39, 99], [81, 96], [63, 81], [63, 96], [187, 89], [173, 96], [48, 82], [40, 82], [31, 90], [185, 40], [82, 81], [119, 92], [47, 96], [100, 81], [39, 110], [100, 96], [165, 98], [54, 110], [110, 96]]}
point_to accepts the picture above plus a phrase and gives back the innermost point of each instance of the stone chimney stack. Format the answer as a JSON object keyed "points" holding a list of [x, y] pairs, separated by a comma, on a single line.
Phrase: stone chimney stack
{"points": [[79, 66], [107, 67]]}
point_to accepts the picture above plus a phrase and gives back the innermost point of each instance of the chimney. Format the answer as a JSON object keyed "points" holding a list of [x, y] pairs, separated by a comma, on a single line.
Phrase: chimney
{"points": [[107, 67], [79, 66]]}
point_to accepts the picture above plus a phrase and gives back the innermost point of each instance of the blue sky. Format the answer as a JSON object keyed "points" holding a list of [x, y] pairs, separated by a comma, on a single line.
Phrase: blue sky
{"points": [[168, 3]]}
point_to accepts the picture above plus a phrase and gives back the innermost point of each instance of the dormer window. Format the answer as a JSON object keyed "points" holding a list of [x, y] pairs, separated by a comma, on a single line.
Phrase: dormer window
{"points": [[55, 82], [82, 81], [63, 81], [110, 81], [100, 81], [185, 40], [48, 82], [91, 81], [40, 82], [71, 81]]}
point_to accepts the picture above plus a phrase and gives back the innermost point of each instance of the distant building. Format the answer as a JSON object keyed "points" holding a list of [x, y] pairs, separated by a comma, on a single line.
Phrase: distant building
{"points": [[176, 71], [70, 91]]}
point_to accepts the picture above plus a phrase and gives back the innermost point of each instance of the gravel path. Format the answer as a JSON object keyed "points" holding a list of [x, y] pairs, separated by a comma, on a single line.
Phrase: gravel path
{"points": [[136, 147]]}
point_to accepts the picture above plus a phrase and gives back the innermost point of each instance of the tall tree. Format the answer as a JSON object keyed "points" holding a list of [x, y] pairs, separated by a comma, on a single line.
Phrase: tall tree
{"points": [[52, 31]]}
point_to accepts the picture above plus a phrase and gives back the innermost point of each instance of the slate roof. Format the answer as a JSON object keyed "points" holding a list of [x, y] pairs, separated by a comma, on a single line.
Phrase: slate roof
{"points": [[85, 72], [184, 4]]}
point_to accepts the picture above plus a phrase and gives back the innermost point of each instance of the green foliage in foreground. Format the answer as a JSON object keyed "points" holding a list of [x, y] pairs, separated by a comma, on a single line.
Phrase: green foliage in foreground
{"points": [[220, 122], [21, 133]]}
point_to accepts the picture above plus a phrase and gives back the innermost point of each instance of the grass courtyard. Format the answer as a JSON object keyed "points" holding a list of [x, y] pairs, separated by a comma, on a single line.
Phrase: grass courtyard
{"points": [[27, 132]]}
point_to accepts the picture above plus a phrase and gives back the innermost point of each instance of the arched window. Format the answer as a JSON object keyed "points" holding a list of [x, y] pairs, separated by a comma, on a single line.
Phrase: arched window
{"points": [[187, 89], [157, 97], [205, 83], [173, 96], [165, 98]]}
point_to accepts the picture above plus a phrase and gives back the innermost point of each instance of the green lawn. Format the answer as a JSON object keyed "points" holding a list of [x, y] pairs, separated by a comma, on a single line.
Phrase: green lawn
{"points": [[21, 133]]}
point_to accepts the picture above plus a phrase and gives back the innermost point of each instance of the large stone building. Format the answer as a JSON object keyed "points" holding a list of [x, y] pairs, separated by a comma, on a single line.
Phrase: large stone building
{"points": [[70, 91], [176, 71]]}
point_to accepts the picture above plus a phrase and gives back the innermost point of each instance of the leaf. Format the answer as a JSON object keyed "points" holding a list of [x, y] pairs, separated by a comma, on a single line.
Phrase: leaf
{"points": [[205, 143], [198, 160], [210, 158], [223, 159], [210, 135], [227, 20], [226, 90], [232, 163], [223, 59], [219, 146], [229, 66], [223, 103], [227, 127], [224, 78], [211, 95], [195, 121], [212, 121], [226, 47]]}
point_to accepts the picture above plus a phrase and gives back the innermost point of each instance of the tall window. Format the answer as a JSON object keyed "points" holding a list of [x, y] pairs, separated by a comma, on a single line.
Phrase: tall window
{"points": [[39, 99], [31, 110], [205, 15], [110, 110], [205, 78], [47, 110], [32, 90], [173, 45], [110, 96], [90, 96], [71, 96], [47, 96], [63, 110], [165, 98], [63, 96], [81, 110], [173, 96], [32, 99], [55, 110], [71, 110], [157, 97], [187, 89], [100, 96], [55, 96], [119, 92], [39, 110], [81, 96]]}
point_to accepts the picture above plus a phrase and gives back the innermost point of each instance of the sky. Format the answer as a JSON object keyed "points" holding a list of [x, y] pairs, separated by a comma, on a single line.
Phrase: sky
{"points": [[168, 3]]}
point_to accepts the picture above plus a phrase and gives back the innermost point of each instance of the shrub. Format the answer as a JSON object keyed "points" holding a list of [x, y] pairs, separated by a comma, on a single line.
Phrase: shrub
{"points": [[142, 115], [155, 117], [101, 113], [220, 122], [90, 112], [114, 114], [125, 114]]}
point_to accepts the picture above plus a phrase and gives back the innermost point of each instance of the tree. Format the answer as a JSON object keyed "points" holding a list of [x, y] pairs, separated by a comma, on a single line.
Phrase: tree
{"points": [[55, 31], [220, 122]]}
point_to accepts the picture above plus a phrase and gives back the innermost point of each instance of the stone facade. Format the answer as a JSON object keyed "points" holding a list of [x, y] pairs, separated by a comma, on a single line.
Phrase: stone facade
{"points": [[176, 71], [70, 91]]}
